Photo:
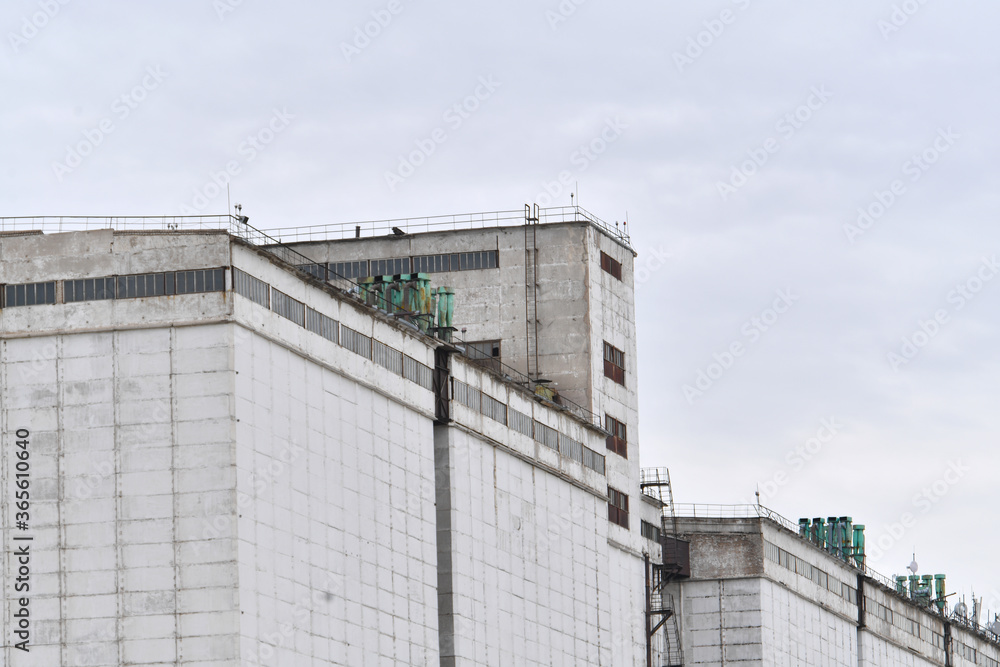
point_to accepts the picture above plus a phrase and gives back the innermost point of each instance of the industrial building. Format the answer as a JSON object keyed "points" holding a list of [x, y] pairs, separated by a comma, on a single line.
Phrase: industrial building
{"points": [[409, 442], [406, 447], [752, 588]]}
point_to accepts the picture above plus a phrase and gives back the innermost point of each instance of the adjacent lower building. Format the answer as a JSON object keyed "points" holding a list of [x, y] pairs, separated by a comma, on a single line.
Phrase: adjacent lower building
{"points": [[757, 590]]}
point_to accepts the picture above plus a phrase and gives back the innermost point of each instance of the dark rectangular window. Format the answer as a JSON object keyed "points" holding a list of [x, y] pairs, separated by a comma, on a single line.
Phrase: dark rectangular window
{"points": [[484, 353], [350, 270], [147, 284], [356, 342], [88, 289], [570, 448], [318, 323], [521, 423], [611, 265], [387, 357], [414, 371], [617, 441], [245, 285], [614, 363], [466, 395], [201, 280], [314, 270], [493, 409], [31, 294], [546, 435], [288, 307], [650, 531], [617, 507], [466, 261], [390, 267], [593, 460]]}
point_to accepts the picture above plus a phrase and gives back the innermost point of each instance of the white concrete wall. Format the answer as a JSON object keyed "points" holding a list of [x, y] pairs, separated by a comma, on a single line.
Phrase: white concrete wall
{"points": [[131, 436], [896, 633], [337, 547], [985, 650], [836, 570], [625, 586], [874, 650], [796, 631], [721, 620], [527, 574], [610, 317]]}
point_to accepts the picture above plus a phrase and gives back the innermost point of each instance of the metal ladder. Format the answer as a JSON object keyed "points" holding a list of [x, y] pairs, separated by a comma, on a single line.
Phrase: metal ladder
{"points": [[530, 287], [655, 482]]}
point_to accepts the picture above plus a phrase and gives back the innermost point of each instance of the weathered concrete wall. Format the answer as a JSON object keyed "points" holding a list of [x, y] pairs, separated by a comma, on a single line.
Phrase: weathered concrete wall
{"points": [[131, 437], [104, 252], [924, 636], [720, 622], [611, 317], [875, 650], [797, 631], [337, 546], [974, 649], [533, 524], [837, 576], [723, 548], [527, 574]]}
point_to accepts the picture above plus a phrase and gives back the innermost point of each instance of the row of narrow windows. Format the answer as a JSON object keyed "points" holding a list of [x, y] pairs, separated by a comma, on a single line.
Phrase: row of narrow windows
{"points": [[496, 410], [394, 266], [115, 287], [263, 294], [803, 568]]}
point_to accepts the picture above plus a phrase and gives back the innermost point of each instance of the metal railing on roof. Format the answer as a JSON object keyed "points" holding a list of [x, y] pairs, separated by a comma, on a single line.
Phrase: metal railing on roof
{"points": [[369, 228], [75, 223], [299, 234], [711, 511]]}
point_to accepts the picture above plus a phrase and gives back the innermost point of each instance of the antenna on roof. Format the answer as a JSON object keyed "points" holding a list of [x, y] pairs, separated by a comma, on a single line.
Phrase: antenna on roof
{"points": [[229, 201]]}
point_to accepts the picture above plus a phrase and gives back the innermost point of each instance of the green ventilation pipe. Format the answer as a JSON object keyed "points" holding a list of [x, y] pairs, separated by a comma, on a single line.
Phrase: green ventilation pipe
{"points": [[832, 535], [939, 594], [844, 527], [859, 545], [446, 312], [819, 533]]}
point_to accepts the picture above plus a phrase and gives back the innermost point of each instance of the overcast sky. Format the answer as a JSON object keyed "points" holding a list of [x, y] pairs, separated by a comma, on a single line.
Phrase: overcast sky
{"points": [[741, 137]]}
